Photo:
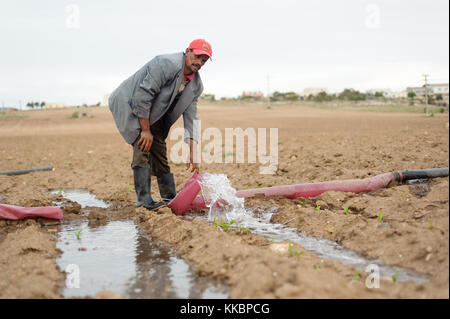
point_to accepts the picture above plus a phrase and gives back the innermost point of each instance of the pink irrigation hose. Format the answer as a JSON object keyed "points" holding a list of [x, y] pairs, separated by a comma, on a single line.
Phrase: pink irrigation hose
{"points": [[18, 212], [187, 199]]}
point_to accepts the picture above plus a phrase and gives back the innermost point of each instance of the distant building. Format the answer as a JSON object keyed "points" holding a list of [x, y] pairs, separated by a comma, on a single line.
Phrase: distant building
{"points": [[254, 94], [439, 88], [311, 91], [388, 93], [55, 105], [432, 89], [400, 95]]}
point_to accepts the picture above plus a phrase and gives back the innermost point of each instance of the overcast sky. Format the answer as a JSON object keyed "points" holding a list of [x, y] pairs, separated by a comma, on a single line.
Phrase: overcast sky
{"points": [[77, 51]]}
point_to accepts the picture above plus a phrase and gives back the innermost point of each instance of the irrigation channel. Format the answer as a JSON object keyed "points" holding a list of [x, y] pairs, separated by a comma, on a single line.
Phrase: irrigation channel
{"points": [[217, 187], [118, 257], [121, 258]]}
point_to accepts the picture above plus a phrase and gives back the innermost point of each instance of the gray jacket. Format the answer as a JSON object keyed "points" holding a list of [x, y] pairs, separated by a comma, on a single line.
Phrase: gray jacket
{"points": [[149, 93]]}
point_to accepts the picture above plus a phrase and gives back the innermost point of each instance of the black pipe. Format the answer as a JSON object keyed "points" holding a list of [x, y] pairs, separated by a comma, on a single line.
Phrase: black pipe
{"points": [[421, 174], [24, 171]]}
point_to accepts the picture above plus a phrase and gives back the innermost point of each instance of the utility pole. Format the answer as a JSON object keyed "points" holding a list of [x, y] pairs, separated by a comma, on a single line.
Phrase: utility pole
{"points": [[426, 93]]}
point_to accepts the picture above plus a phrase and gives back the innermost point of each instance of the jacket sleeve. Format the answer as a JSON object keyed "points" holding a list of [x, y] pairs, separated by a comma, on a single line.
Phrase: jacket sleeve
{"points": [[148, 88], [190, 121]]}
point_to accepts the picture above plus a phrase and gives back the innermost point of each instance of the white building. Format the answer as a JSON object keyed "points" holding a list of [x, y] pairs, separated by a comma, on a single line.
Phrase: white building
{"points": [[311, 91], [441, 88], [432, 89], [55, 105]]}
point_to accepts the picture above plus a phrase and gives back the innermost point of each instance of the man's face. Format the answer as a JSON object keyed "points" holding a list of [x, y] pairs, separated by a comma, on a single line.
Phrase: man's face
{"points": [[193, 62]]}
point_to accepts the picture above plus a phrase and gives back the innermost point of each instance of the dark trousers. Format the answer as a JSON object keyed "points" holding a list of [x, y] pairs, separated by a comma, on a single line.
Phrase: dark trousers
{"points": [[156, 158]]}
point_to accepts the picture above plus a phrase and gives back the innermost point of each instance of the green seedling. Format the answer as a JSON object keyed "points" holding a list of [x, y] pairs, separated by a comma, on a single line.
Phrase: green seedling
{"points": [[356, 275], [300, 202], [78, 233], [215, 224], [431, 224], [316, 267], [317, 208], [131, 187], [225, 226], [380, 217], [394, 277], [402, 196], [60, 191], [290, 250], [299, 254], [273, 240], [346, 210]]}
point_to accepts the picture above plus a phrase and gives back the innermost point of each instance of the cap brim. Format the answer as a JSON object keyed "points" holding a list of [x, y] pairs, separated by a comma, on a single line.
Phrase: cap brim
{"points": [[200, 52]]}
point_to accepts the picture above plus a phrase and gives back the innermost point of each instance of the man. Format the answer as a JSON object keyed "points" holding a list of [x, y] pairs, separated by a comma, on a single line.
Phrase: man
{"points": [[147, 104]]}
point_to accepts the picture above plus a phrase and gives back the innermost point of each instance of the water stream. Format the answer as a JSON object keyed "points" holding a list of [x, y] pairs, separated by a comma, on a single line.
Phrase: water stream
{"points": [[215, 186], [120, 258]]}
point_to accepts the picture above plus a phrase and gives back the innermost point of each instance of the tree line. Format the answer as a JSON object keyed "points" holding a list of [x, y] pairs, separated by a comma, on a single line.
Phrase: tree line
{"points": [[36, 105]]}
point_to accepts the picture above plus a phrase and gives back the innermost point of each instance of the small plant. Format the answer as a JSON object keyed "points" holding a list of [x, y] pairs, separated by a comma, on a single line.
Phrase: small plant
{"points": [[402, 196], [78, 233], [346, 210], [215, 224], [394, 277], [74, 115], [316, 267], [356, 275], [380, 217], [302, 203], [318, 208], [299, 254], [431, 224], [290, 249], [61, 191]]}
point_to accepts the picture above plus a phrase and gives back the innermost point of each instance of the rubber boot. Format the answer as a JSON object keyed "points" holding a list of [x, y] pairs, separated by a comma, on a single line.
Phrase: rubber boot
{"points": [[166, 184], [142, 186]]}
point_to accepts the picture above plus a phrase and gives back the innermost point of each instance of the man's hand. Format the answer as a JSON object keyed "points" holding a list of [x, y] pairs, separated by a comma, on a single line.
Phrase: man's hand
{"points": [[192, 148], [195, 166], [146, 141]]}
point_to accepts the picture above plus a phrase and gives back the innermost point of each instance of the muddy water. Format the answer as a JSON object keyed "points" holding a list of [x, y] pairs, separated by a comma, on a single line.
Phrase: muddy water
{"points": [[82, 197], [215, 186], [120, 258]]}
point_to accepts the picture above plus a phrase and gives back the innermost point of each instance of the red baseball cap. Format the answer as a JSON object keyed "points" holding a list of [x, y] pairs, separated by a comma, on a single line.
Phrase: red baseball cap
{"points": [[201, 46]]}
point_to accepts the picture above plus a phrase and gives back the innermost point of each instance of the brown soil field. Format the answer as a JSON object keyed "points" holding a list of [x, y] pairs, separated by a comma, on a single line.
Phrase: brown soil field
{"points": [[314, 145]]}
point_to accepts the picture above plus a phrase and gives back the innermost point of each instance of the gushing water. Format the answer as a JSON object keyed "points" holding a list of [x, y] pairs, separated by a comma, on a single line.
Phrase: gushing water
{"points": [[221, 198]]}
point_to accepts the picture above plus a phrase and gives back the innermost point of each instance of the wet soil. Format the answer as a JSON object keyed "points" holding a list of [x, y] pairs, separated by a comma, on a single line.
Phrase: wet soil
{"points": [[314, 145]]}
